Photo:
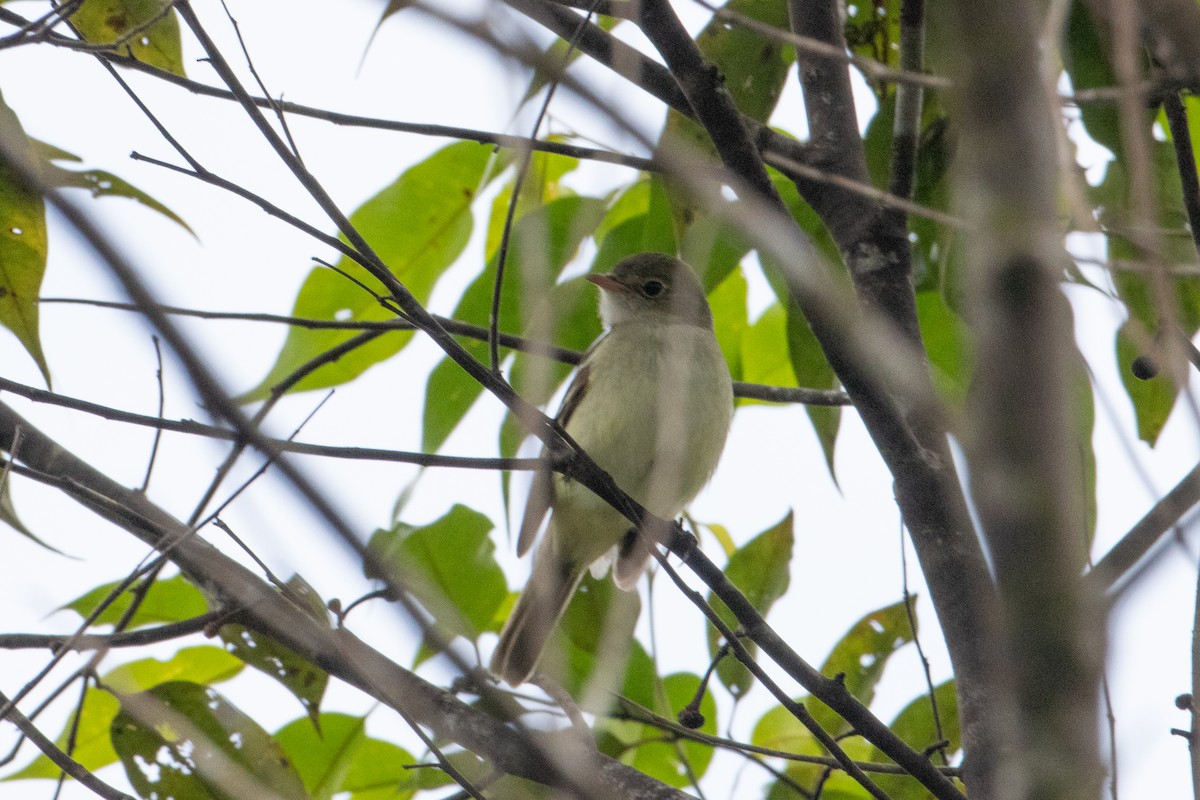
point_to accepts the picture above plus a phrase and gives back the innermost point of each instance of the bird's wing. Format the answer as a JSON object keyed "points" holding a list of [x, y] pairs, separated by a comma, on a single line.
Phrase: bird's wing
{"points": [[541, 493], [541, 496]]}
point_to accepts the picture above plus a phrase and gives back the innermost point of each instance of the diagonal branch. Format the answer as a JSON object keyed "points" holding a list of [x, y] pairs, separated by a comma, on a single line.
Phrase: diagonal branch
{"points": [[1118, 564], [338, 652]]}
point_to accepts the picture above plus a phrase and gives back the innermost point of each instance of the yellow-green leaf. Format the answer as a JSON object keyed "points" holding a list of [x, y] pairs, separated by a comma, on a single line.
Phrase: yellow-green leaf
{"points": [[180, 739], [147, 30], [418, 226], [23, 242], [760, 571]]}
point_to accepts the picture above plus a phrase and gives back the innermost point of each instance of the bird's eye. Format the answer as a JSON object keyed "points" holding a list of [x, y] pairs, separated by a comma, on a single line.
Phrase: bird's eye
{"points": [[652, 288]]}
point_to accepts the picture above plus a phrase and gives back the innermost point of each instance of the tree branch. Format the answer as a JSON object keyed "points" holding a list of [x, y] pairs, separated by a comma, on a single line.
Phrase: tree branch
{"points": [[875, 246], [750, 391], [338, 652], [1117, 565], [60, 759], [1026, 476], [139, 638]]}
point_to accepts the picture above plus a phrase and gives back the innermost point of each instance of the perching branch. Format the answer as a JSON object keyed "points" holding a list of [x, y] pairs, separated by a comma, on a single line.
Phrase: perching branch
{"points": [[336, 651]]}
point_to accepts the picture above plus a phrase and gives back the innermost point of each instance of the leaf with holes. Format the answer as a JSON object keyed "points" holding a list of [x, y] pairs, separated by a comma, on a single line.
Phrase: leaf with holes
{"points": [[859, 658], [303, 679], [104, 184], [181, 739], [92, 737]]}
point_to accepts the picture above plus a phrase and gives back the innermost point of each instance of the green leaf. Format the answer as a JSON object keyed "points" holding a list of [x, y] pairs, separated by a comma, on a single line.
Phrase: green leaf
{"points": [[1084, 423], [93, 740], [450, 567], [811, 369], [379, 771], [202, 664], [714, 247], [23, 243], [779, 729], [947, 341], [755, 67], [146, 30], [730, 318], [932, 243], [594, 645], [105, 184], [541, 185], [1191, 107], [638, 222], [418, 226], [167, 600], [682, 762], [721, 534], [764, 353], [860, 657], [544, 241], [561, 55], [919, 730], [873, 30], [754, 70], [1152, 399], [323, 754], [646, 747], [1085, 56], [1119, 218], [8, 515], [299, 676], [185, 740], [937, 250], [760, 571]]}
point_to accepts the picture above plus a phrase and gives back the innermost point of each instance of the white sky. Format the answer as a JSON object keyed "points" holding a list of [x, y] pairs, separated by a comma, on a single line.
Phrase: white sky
{"points": [[846, 559]]}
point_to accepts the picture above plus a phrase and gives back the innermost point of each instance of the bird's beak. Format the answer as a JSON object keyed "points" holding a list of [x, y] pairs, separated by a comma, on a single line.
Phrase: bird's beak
{"points": [[607, 282]]}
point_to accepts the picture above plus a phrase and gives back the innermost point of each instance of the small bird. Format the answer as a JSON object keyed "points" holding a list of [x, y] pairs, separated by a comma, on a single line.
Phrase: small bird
{"points": [[651, 404]]}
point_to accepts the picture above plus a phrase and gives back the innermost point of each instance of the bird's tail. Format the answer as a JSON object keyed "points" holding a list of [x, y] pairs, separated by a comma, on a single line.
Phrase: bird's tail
{"points": [[537, 611]]}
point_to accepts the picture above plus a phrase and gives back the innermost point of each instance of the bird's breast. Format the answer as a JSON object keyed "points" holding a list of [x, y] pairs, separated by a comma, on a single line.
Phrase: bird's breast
{"points": [[656, 411]]}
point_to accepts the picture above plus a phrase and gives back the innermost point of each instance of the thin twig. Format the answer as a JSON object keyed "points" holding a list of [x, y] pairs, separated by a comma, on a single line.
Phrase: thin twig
{"points": [[1113, 570], [743, 655], [1185, 158], [751, 391], [94, 641], [911, 613], [158, 375], [287, 132], [276, 394], [328, 451], [638, 713], [258, 473], [525, 156], [59, 758]]}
